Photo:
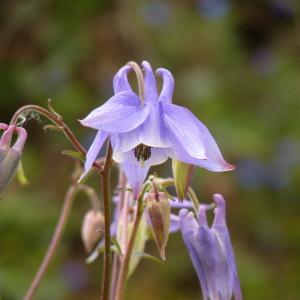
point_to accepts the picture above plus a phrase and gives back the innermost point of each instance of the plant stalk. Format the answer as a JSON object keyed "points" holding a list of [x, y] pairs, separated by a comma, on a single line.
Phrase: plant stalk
{"points": [[116, 257], [55, 241], [120, 291], [107, 213], [58, 121]]}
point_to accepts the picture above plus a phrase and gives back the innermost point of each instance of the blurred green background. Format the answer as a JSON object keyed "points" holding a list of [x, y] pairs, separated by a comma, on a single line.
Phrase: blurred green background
{"points": [[237, 67]]}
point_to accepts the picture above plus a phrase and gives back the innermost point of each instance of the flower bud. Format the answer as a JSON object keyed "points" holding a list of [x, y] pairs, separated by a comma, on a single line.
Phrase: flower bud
{"points": [[158, 209], [183, 174], [10, 156], [92, 228]]}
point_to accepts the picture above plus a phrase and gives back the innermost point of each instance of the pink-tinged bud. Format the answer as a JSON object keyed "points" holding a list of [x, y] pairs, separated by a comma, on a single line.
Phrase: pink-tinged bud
{"points": [[183, 175], [92, 229], [159, 211], [10, 156]]}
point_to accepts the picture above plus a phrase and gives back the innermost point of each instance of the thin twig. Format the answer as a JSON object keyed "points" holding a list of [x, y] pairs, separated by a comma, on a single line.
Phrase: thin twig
{"points": [[58, 121], [56, 238], [107, 238]]}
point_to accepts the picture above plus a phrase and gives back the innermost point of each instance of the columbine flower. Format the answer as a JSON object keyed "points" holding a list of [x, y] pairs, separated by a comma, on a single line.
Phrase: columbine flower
{"points": [[145, 132], [10, 156], [211, 252]]}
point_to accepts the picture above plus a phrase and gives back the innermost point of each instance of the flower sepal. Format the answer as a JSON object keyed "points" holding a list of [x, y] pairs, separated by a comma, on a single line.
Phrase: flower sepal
{"points": [[159, 211], [10, 156], [183, 175]]}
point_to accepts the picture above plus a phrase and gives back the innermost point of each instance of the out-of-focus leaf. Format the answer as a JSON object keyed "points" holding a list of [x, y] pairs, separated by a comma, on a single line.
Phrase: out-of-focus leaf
{"points": [[139, 245], [21, 175], [116, 244], [74, 154], [148, 256]]}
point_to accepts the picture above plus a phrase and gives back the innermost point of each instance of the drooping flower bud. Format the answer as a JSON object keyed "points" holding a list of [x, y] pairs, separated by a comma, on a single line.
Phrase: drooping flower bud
{"points": [[158, 209], [10, 156], [92, 229], [211, 251], [183, 174]]}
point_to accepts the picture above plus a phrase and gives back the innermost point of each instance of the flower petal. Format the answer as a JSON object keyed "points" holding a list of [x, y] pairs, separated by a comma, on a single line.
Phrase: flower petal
{"points": [[214, 160], [93, 152], [7, 136], [22, 137], [151, 94], [220, 211], [135, 176], [237, 288], [176, 203], [152, 131], [158, 156], [212, 262], [168, 85], [121, 113], [189, 228], [183, 132], [120, 81], [123, 142], [174, 223], [220, 229]]}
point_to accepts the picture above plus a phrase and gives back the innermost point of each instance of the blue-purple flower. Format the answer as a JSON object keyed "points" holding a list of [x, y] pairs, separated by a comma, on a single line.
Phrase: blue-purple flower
{"points": [[145, 132], [211, 252]]}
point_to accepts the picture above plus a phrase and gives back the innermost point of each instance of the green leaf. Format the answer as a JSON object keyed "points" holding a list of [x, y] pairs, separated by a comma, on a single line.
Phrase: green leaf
{"points": [[117, 245], [139, 244], [74, 154], [124, 189], [95, 254], [182, 174], [148, 256]]}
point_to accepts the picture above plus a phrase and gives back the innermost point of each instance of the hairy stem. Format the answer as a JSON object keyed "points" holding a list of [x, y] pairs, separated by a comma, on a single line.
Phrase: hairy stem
{"points": [[120, 207], [120, 291], [107, 238], [56, 238], [58, 121]]}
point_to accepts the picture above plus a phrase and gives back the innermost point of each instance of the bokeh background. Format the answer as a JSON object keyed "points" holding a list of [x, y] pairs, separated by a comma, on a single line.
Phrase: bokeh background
{"points": [[236, 66]]}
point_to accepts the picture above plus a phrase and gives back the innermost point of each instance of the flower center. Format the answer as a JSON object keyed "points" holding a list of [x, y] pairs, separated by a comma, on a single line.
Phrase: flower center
{"points": [[142, 152]]}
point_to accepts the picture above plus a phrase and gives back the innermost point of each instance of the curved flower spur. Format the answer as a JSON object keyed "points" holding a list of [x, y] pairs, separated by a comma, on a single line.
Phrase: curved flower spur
{"points": [[146, 129]]}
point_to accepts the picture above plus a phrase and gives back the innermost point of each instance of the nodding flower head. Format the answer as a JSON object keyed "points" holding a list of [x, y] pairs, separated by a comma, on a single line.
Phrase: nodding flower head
{"points": [[92, 229], [147, 128], [10, 155], [211, 252]]}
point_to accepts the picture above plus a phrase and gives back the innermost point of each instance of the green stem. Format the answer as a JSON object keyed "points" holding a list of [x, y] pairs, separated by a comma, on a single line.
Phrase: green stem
{"points": [[57, 236], [107, 238]]}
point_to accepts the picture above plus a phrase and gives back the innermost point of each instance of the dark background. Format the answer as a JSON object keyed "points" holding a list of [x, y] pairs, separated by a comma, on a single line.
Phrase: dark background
{"points": [[236, 66]]}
